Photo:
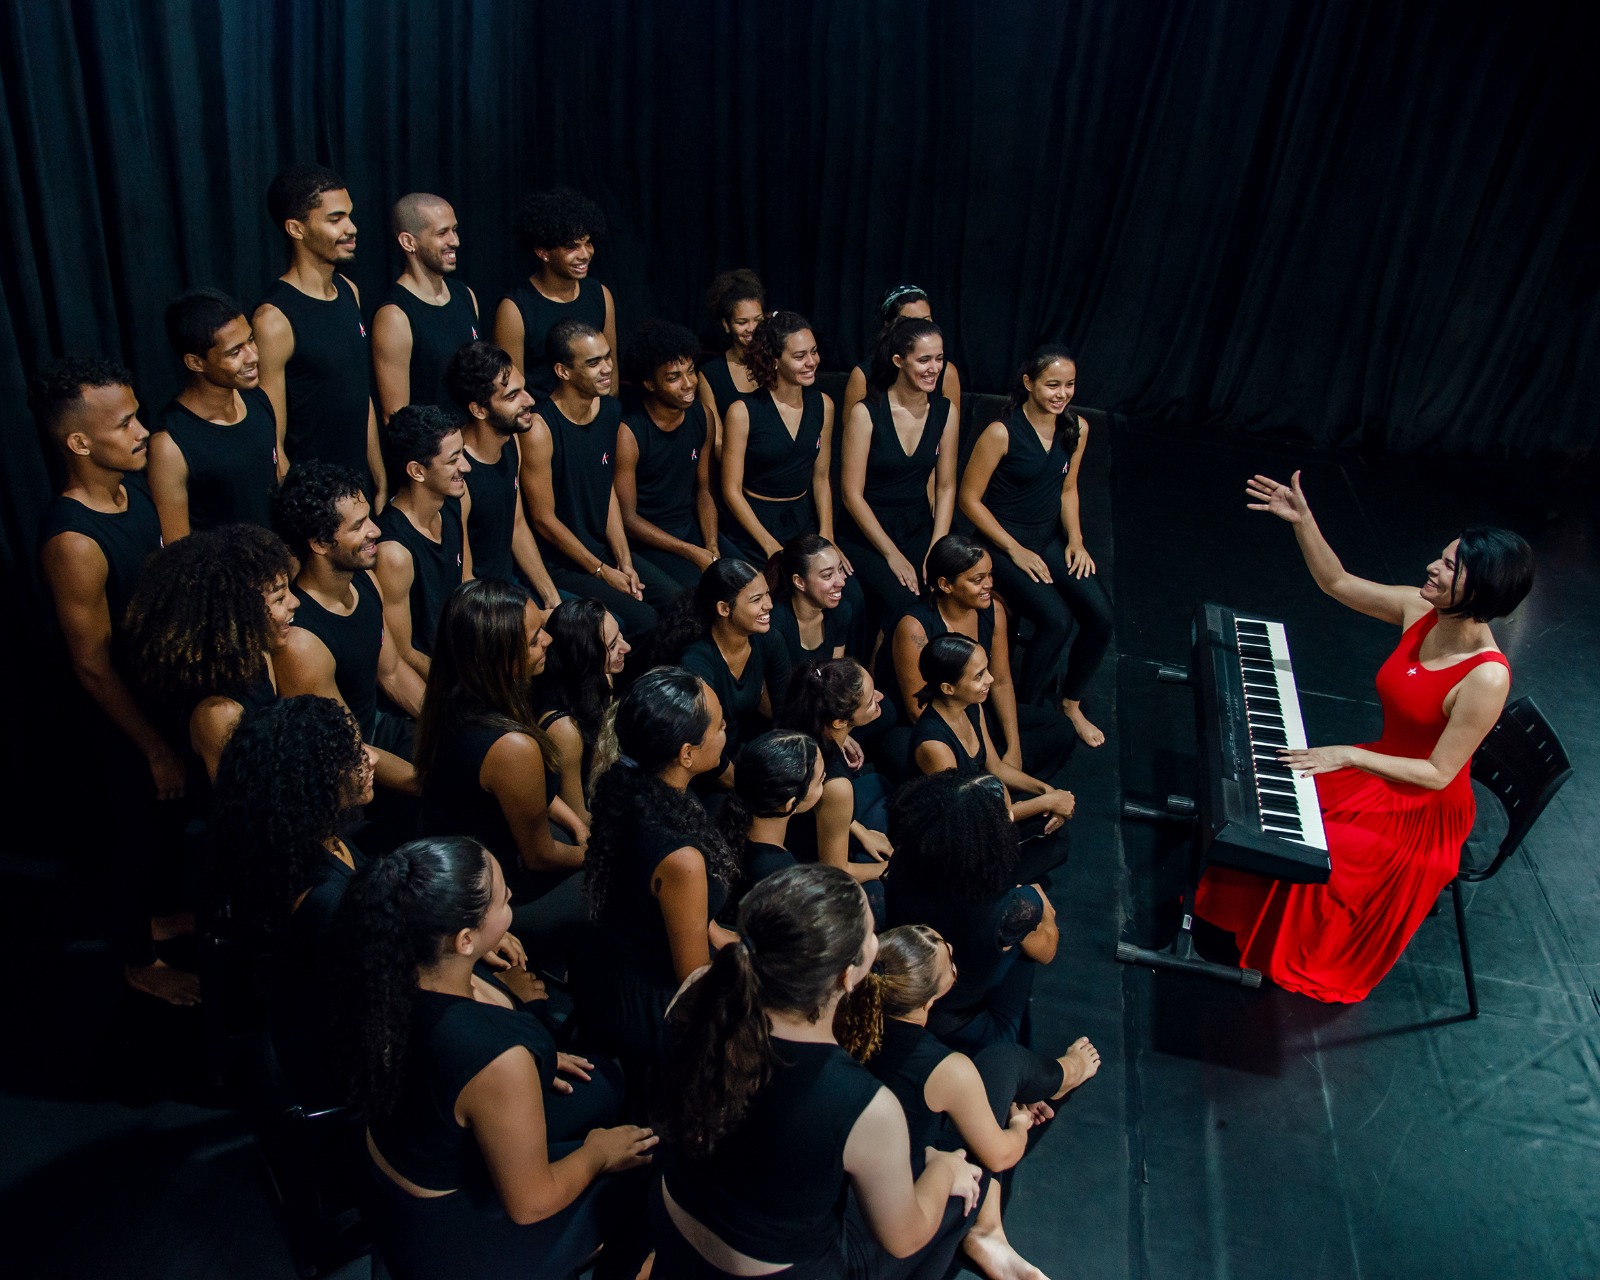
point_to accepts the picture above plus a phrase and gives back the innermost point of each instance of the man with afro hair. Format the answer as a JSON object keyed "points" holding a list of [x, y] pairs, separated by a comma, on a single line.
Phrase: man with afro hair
{"points": [[558, 229]]}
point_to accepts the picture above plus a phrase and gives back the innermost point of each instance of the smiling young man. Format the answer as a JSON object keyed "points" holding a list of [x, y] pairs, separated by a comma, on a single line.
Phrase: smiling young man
{"points": [[558, 228], [663, 469], [96, 536], [423, 555], [425, 316], [309, 331], [214, 447], [567, 469]]}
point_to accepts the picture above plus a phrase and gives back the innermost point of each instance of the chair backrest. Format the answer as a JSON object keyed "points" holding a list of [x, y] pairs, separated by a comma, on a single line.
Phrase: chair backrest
{"points": [[1523, 764]]}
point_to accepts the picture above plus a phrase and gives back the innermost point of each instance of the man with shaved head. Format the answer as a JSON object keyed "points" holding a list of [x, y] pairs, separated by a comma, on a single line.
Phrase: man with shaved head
{"points": [[425, 317]]}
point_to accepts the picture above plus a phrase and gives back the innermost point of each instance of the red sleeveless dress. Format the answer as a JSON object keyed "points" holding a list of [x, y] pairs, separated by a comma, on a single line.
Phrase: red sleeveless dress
{"points": [[1393, 847]]}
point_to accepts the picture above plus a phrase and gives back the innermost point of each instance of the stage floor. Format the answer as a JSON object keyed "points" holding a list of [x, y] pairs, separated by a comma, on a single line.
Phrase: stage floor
{"points": [[1230, 1133]]}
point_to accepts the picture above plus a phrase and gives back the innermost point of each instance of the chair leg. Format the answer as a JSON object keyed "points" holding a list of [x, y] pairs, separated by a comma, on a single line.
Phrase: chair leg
{"points": [[1466, 951]]}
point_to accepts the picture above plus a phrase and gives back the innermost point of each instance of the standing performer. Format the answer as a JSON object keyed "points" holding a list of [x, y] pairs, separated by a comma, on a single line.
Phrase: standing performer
{"points": [[738, 302], [558, 229], [1020, 490], [425, 316], [899, 302], [313, 343], [1397, 810], [214, 447]]}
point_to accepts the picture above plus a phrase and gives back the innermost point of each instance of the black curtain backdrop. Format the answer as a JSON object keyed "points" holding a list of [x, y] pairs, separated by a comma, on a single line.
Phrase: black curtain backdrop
{"points": [[1363, 222]]}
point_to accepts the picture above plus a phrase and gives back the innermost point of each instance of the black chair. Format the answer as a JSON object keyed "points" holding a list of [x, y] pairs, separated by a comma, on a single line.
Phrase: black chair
{"points": [[1522, 764]]}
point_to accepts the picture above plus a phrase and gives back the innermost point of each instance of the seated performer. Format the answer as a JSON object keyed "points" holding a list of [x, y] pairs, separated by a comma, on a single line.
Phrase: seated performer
{"points": [[780, 777], [1397, 810], [214, 447], [899, 302], [810, 619], [663, 471], [575, 691], [738, 302]]}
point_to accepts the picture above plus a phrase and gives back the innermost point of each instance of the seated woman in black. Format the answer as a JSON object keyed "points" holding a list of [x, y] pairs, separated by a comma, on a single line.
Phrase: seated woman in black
{"points": [[780, 777], [289, 789], [984, 1104], [574, 692], [952, 734], [898, 478], [207, 616], [657, 869], [828, 700], [487, 769], [462, 1163], [811, 619], [738, 303], [956, 870], [766, 1121], [720, 632], [899, 302], [960, 599]]}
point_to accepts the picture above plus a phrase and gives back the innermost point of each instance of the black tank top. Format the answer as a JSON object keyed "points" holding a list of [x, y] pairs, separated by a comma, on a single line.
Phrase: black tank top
{"points": [[327, 391], [233, 468], [437, 333], [723, 391], [454, 801], [354, 642], [667, 473], [903, 1063], [495, 491], [580, 474], [452, 1039], [775, 1187], [931, 727], [1024, 492], [776, 465], [787, 651], [934, 625], [126, 538], [540, 315], [435, 566], [896, 478]]}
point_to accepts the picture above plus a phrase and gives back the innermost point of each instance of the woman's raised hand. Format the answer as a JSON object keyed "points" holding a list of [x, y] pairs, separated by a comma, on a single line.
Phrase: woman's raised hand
{"points": [[1286, 501]]}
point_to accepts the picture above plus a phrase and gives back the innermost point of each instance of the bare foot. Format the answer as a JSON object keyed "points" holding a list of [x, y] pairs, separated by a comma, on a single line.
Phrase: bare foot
{"points": [[165, 928], [991, 1253], [1078, 1063], [164, 983], [1088, 732]]}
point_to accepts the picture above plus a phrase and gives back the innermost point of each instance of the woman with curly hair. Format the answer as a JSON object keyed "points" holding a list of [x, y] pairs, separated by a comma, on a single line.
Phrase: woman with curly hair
{"points": [[766, 1121], [557, 228], [657, 869], [209, 612], [574, 692], [487, 769], [957, 870], [464, 1160], [780, 777], [984, 1104], [738, 303]]}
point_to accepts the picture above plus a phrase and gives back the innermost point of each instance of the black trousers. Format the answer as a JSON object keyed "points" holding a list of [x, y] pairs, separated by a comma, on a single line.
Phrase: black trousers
{"points": [[635, 617], [1052, 607]]}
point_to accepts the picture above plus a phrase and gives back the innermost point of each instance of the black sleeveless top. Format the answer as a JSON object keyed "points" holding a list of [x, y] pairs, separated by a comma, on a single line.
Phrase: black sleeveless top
{"points": [[720, 378], [741, 698], [233, 469], [983, 935], [931, 727], [454, 802], [787, 651], [776, 465], [435, 566], [895, 478], [668, 472], [354, 642], [437, 333], [580, 475], [452, 1039], [540, 315], [934, 625], [1024, 492], [327, 392], [126, 538], [496, 490], [775, 1187], [903, 1063]]}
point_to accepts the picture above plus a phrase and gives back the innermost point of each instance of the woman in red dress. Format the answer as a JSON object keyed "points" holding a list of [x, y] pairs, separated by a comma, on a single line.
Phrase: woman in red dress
{"points": [[1397, 810]]}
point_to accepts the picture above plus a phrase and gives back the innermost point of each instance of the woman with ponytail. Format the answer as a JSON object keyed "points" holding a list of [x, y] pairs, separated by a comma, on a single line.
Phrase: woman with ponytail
{"points": [[574, 693], [462, 1165], [985, 1103], [780, 777], [960, 599], [899, 302], [1020, 490], [811, 619], [899, 444], [828, 700], [766, 1120], [657, 870]]}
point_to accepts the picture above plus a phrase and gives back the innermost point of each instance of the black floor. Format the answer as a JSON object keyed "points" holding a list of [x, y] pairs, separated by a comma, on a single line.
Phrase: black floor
{"points": [[1230, 1134]]}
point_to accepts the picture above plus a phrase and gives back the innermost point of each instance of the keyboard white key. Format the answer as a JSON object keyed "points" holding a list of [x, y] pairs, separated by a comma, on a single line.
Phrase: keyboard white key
{"points": [[1289, 805]]}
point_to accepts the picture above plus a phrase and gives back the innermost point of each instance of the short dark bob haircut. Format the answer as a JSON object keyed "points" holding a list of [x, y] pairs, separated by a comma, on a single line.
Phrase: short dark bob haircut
{"points": [[1497, 566]]}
